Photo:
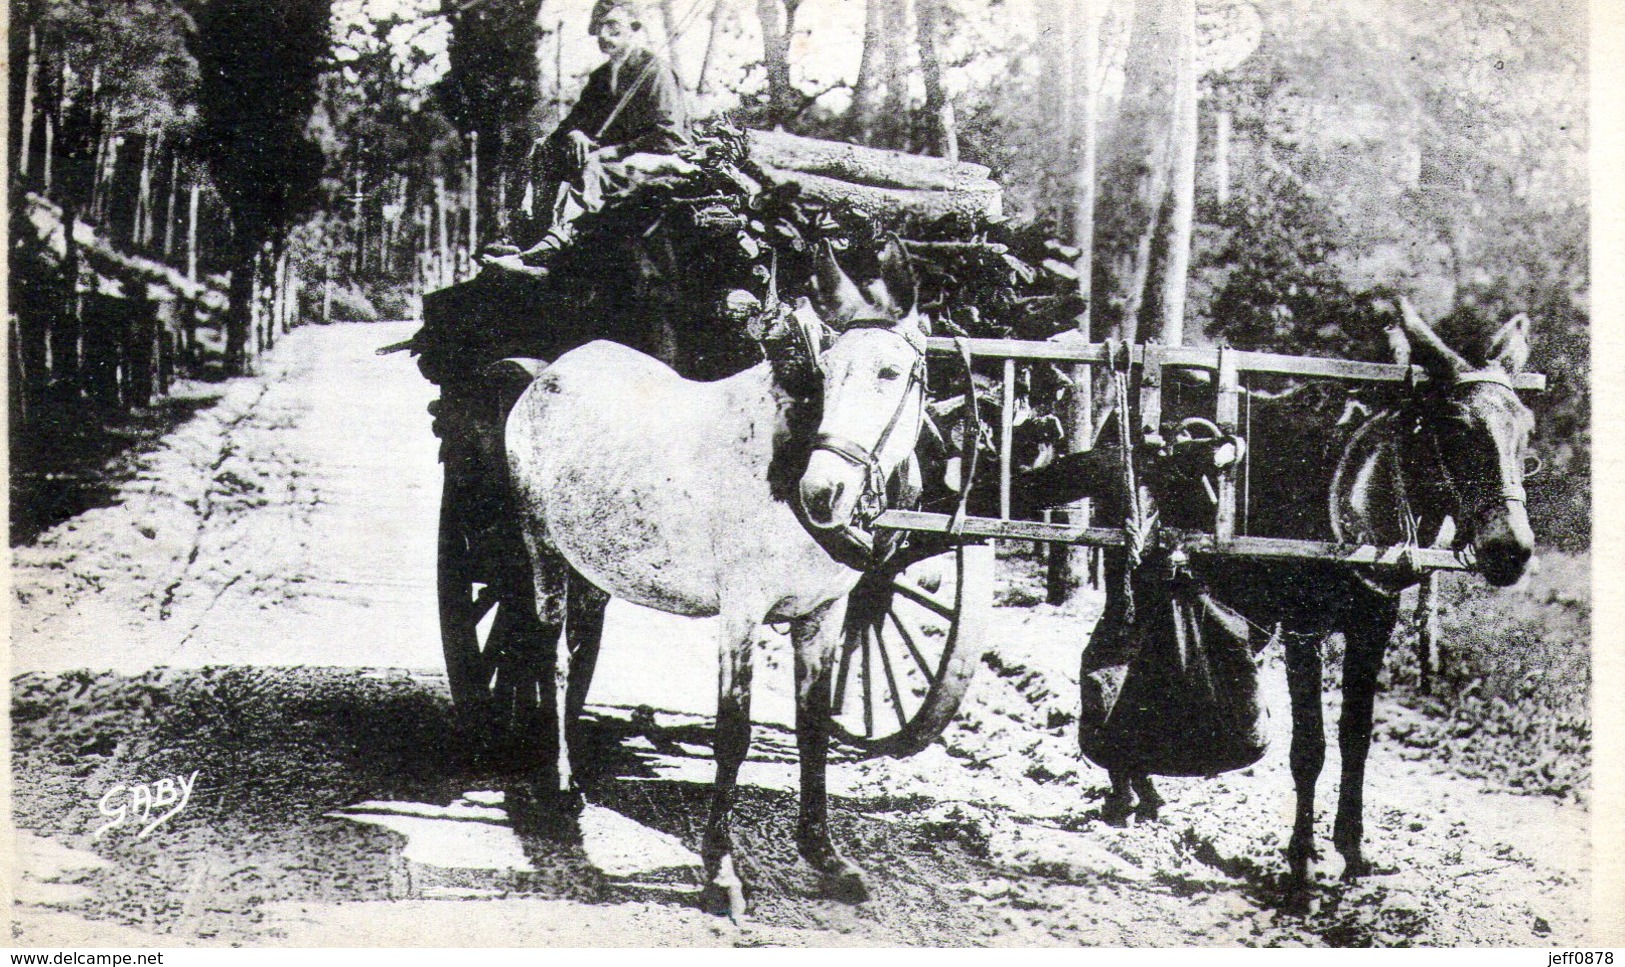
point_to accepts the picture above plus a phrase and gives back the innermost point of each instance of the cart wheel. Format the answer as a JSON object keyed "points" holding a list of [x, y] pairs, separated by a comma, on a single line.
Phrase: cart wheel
{"points": [[499, 668], [913, 638]]}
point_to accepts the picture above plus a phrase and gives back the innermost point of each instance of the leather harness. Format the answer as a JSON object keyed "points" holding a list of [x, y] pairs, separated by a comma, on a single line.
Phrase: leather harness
{"points": [[846, 541]]}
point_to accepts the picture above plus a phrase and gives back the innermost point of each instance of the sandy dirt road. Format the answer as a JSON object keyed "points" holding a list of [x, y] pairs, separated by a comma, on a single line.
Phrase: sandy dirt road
{"points": [[257, 610]]}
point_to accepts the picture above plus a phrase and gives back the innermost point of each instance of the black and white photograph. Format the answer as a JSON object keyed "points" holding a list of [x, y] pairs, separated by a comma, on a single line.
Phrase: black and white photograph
{"points": [[803, 473]]}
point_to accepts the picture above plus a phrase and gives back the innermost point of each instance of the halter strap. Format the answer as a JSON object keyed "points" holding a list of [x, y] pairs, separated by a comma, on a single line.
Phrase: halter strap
{"points": [[1505, 492], [868, 458]]}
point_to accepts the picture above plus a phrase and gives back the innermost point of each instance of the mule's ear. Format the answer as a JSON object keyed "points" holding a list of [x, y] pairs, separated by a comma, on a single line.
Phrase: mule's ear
{"points": [[880, 297], [1399, 345], [1510, 347], [842, 300], [1431, 352], [902, 286]]}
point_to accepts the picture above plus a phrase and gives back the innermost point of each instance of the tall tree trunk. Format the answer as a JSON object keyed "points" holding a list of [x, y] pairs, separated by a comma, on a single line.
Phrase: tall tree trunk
{"points": [[776, 57], [860, 117], [559, 110], [240, 310], [30, 78], [1181, 210], [473, 193], [443, 215], [169, 204], [718, 11], [143, 196], [894, 116], [191, 228], [939, 107], [1135, 174], [50, 150], [669, 24], [1221, 156], [1069, 566]]}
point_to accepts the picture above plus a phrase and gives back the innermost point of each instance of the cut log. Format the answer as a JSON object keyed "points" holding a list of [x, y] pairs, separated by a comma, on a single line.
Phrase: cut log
{"points": [[983, 204], [860, 165]]}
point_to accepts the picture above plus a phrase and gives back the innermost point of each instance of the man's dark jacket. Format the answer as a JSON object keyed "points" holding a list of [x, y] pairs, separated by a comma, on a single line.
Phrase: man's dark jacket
{"points": [[653, 119]]}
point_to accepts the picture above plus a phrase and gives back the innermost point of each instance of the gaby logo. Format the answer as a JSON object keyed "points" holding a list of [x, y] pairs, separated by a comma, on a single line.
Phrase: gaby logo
{"points": [[126, 803]]}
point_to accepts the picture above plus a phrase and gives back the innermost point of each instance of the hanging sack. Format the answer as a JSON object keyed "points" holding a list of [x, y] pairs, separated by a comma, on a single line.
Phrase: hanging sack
{"points": [[1172, 691]]}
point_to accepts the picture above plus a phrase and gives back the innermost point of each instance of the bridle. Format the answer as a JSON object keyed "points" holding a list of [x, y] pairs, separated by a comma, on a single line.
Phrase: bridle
{"points": [[1508, 491], [872, 502]]}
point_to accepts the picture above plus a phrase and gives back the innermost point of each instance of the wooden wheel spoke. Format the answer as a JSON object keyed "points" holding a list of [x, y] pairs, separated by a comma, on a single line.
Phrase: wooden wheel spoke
{"points": [[844, 659], [911, 638], [924, 598], [868, 690], [891, 678]]}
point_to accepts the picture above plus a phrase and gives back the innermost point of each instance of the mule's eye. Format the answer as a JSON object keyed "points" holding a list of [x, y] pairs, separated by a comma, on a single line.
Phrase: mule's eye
{"points": [[890, 372]]}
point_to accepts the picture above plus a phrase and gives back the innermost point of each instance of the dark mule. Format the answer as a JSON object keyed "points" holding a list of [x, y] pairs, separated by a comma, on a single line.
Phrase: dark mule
{"points": [[1454, 449], [689, 498]]}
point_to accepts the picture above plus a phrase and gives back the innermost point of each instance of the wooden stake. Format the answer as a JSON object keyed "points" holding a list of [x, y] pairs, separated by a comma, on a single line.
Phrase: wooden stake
{"points": [[1427, 632]]}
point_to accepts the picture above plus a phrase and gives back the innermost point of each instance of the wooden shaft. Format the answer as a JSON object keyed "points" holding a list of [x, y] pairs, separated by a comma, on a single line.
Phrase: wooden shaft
{"points": [[1195, 542]]}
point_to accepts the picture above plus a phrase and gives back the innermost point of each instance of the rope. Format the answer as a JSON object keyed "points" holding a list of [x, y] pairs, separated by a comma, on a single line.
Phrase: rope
{"points": [[1141, 521]]}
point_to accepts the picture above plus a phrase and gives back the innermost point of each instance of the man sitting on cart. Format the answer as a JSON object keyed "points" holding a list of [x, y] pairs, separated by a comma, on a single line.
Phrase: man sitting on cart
{"points": [[632, 104]]}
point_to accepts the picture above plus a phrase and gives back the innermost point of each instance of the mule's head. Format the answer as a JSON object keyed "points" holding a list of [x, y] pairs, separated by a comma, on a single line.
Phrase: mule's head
{"points": [[1472, 435], [873, 375]]}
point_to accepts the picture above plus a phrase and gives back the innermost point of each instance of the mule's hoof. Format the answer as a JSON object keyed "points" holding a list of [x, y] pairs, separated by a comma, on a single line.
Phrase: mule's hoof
{"points": [[846, 885], [1297, 898], [1357, 867], [1115, 813], [1147, 812], [715, 900], [724, 892]]}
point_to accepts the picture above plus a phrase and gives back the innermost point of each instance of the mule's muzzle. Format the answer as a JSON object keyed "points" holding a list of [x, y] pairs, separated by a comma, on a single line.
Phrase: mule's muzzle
{"points": [[819, 500], [1504, 547], [830, 489]]}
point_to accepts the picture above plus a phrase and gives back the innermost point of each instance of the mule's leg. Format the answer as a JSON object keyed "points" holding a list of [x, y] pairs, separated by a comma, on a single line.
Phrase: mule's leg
{"points": [[1120, 801], [815, 643], [723, 889], [549, 575], [585, 631], [1308, 748], [1367, 642], [1150, 803]]}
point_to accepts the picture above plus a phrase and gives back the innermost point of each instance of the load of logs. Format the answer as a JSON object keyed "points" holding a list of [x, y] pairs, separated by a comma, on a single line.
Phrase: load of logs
{"points": [[883, 184]]}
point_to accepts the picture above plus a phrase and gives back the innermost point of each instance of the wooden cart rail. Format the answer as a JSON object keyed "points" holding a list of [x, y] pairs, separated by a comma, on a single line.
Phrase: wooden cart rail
{"points": [[1199, 357], [1420, 558], [1229, 366]]}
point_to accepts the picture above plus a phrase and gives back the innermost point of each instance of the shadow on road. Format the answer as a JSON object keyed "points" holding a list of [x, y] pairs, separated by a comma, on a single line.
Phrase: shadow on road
{"points": [[78, 460], [278, 750]]}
